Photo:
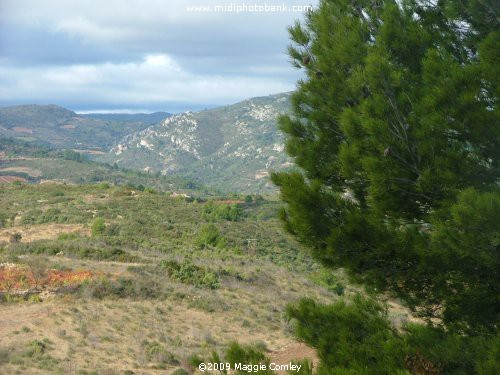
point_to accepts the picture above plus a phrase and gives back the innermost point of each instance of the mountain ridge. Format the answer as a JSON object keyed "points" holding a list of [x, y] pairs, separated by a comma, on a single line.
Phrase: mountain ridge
{"points": [[149, 118], [56, 126], [231, 147]]}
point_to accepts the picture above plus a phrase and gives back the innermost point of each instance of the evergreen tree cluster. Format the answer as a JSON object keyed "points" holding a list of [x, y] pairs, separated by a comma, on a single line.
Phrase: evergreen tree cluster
{"points": [[395, 132]]}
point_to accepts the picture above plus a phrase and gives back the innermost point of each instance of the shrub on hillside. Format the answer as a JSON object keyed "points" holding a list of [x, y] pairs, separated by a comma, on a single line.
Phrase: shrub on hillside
{"points": [[136, 288], [210, 236], [156, 352], [189, 273], [221, 211], [77, 249], [3, 219], [15, 237], [98, 227]]}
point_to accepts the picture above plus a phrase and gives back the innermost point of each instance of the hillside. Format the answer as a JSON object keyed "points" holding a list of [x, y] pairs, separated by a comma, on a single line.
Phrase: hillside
{"points": [[231, 148], [59, 127], [39, 164], [146, 118], [97, 279]]}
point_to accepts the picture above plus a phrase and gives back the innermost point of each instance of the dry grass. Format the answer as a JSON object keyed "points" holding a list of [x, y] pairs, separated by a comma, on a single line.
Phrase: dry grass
{"points": [[30, 171], [157, 324], [110, 334], [9, 179], [293, 352], [42, 232]]}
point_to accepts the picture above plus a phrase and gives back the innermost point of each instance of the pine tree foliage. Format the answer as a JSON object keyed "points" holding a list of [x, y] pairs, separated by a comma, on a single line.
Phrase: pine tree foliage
{"points": [[357, 338], [396, 134]]}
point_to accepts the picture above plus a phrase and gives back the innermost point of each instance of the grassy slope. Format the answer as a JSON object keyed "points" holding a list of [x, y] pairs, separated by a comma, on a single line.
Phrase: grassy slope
{"points": [[38, 169], [38, 163], [136, 317]]}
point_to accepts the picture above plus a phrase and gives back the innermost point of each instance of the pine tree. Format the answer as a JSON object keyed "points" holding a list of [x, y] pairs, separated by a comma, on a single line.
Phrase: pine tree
{"points": [[395, 132]]}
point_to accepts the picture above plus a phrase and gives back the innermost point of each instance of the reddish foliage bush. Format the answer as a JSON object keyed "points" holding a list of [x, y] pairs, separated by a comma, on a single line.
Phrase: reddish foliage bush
{"points": [[15, 277]]}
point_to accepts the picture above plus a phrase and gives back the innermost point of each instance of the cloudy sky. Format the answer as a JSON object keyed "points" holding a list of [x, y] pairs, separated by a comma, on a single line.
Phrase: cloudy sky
{"points": [[142, 55]]}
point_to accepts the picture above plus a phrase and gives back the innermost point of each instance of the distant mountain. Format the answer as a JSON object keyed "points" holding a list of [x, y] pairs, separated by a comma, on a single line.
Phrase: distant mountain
{"points": [[146, 118], [42, 114], [231, 148], [59, 127]]}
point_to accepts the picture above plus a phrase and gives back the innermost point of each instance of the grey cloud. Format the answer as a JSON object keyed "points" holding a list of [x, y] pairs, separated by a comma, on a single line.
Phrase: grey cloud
{"points": [[69, 51]]}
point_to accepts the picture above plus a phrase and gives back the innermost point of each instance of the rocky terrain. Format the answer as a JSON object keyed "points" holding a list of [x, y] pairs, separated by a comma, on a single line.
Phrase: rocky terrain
{"points": [[231, 148], [61, 128]]}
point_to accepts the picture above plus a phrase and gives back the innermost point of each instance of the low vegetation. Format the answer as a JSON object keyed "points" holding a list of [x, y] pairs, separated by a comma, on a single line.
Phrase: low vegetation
{"points": [[142, 278]]}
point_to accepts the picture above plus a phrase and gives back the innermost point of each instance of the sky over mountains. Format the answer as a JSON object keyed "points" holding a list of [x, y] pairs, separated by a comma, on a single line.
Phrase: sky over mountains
{"points": [[141, 55]]}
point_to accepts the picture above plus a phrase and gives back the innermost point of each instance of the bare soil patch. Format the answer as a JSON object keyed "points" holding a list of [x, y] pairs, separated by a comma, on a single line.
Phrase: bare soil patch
{"points": [[293, 352]]}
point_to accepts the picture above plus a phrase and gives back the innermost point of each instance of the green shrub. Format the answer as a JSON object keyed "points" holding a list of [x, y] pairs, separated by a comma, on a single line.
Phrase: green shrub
{"points": [[189, 273], [36, 348], [209, 235], [15, 237], [98, 227], [139, 288], [327, 278], [247, 354], [195, 359], [72, 247], [49, 216], [221, 211], [30, 217], [3, 219], [208, 303], [4, 356], [112, 230], [122, 192], [68, 236], [155, 352]]}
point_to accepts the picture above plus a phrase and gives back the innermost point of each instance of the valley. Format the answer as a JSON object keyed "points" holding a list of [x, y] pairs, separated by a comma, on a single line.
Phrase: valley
{"points": [[230, 149]]}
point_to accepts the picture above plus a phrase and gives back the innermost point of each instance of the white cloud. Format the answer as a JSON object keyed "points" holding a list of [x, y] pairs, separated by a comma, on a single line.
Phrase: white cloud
{"points": [[141, 52], [140, 21], [161, 60], [157, 80]]}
